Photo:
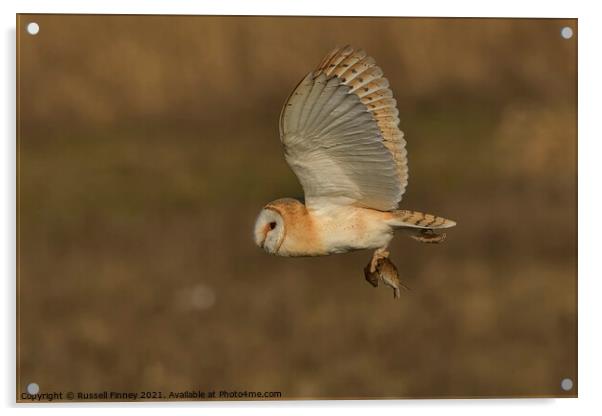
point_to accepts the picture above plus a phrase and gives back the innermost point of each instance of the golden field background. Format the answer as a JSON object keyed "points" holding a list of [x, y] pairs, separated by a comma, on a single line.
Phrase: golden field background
{"points": [[148, 144]]}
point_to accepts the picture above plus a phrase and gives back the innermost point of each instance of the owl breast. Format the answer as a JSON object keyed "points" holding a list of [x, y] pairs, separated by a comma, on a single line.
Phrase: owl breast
{"points": [[344, 229]]}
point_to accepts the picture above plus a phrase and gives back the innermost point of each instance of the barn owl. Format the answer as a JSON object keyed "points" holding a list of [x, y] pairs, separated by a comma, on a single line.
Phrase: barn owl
{"points": [[339, 129]]}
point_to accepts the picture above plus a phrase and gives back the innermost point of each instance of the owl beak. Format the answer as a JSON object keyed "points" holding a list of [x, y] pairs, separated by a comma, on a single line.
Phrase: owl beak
{"points": [[265, 237]]}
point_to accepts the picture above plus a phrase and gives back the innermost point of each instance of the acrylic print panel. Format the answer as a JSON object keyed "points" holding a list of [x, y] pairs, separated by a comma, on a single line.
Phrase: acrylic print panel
{"points": [[148, 147]]}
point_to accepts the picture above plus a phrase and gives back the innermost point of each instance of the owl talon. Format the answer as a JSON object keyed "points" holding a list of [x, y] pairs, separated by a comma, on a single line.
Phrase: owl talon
{"points": [[372, 277], [381, 253]]}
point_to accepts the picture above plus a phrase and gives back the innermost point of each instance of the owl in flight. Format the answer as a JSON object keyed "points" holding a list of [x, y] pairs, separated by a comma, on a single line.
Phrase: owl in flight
{"points": [[339, 128]]}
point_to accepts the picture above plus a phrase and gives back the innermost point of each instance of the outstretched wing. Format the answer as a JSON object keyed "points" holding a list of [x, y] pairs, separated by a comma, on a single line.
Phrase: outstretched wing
{"points": [[340, 134]]}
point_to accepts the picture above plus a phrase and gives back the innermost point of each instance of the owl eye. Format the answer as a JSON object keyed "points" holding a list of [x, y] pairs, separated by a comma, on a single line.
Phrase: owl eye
{"points": [[272, 225]]}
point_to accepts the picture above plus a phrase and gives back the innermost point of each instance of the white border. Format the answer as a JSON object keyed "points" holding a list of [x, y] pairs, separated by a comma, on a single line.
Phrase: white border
{"points": [[460, 8], [590, 273]]}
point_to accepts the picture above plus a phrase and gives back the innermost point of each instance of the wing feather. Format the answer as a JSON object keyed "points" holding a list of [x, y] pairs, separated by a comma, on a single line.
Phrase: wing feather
{"points": [[319, 110], [340, 134]]}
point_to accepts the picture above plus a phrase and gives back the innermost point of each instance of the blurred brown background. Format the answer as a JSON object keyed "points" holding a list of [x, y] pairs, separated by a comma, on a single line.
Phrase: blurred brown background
{"points": [[148, 144]]}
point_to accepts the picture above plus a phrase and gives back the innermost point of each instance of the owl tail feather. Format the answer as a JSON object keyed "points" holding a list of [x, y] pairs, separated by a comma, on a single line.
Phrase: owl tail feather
{"points": [[421, 226]]}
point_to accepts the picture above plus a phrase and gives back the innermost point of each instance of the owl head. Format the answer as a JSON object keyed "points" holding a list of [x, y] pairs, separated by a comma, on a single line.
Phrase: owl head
{"points": [[283, 227], [269, 230]]}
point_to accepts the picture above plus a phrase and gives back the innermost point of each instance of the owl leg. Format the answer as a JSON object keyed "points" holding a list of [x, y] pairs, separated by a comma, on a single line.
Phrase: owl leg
{"points": [[428, 236], [379, 254], [371, 272]]}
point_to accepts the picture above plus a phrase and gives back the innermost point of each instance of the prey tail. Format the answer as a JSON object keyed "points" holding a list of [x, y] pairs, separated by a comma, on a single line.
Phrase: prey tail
{"points": [[420, 226]]}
